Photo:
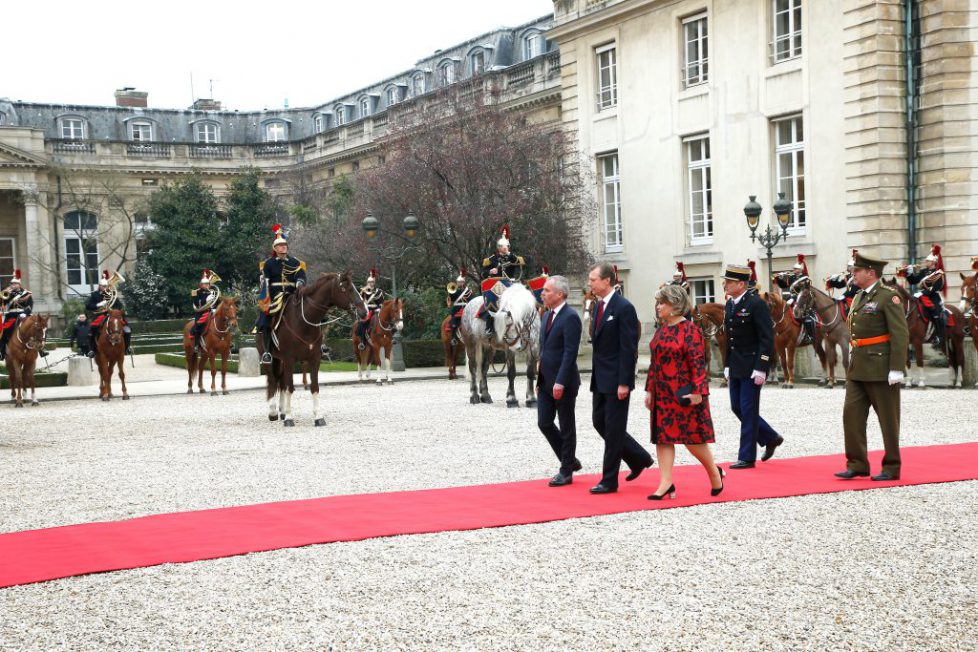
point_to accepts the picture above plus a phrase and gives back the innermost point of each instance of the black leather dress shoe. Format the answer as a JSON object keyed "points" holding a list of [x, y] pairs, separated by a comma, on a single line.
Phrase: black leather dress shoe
{"points": [[637, 472], [849, 474], [770, 448], [561, 480], [740, 464], [577, 465], [884, 475], [602, 489]]}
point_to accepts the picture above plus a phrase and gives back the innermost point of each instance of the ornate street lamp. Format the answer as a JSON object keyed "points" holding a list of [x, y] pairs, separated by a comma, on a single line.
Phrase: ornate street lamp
{"points": [[769, 238]]}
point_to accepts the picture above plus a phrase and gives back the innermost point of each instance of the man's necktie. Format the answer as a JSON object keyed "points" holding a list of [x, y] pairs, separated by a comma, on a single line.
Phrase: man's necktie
{"points": [[550, 320], [597, 322]]}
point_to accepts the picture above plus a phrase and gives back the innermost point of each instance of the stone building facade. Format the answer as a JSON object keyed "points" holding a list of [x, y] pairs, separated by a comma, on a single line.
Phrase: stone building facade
{"points": [[686, 107], [73, 178]]}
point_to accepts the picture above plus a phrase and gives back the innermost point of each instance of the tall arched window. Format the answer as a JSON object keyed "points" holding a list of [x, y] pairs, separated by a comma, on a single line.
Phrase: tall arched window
{"points": [[533, 45], [446, 73], [81, 251], [417, 85]]}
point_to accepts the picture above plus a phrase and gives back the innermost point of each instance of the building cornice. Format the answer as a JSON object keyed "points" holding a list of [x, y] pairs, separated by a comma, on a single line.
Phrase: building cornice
{"points": [[603, 17], [21, 158]]}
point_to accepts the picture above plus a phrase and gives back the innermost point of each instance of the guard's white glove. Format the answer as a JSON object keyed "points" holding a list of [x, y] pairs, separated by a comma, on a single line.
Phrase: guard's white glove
{"points": [[895, 377], [758, 377], [100, 304], [726, 373]]}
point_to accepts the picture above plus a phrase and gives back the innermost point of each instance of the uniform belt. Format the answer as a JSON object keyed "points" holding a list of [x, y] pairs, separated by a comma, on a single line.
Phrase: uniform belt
{"points": [[866, 341], [285, 284]]}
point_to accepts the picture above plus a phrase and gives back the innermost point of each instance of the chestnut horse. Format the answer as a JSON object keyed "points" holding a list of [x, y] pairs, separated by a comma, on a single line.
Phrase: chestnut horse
{"points": [[22, 350], [380, 335], [111, 352], [786, 330], [451, 345], [709, 317], [299, 338], [214, 341], [831, 318], [952, 346], [969, 305]]}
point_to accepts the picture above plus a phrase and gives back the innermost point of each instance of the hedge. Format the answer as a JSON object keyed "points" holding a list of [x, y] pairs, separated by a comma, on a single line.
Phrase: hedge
{"points": [[41, 378], [177, 360]]}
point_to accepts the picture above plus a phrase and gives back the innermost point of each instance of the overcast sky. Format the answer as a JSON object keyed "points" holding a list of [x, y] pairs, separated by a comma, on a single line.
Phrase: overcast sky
{"points": [[258, 54]]}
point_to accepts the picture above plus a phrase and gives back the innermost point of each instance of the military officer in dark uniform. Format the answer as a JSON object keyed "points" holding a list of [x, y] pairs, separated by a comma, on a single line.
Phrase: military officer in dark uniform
{"points": [[281, 275], [679, 277], [750, 344], [18, 303], [99, 303], [502, 264], [459, 295], [929, 279], [373, 299], [843, 281], [879, 355], [789, 283], [752, 281], [203, 307]]}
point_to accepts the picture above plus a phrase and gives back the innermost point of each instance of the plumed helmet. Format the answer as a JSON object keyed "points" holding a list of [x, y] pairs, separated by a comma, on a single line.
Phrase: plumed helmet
{"points": [[104, 281], [801, 265], [680, 272], [373, 275], [752, 264], [16, 277], [461, 275], [935, 254], [503, 240], [206, 277], [279, 235], [852, 260], [545, 271]]}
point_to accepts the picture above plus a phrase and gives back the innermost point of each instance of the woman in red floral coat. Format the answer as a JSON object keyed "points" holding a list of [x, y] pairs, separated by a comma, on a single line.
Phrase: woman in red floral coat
{"points": [[676, 391]]}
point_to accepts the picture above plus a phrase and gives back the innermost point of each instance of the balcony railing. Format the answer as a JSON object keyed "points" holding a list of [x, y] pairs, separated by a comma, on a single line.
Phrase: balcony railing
{"points": [[521, 74], [71, 146], [210, 151], [266, 150], [148, 150]]}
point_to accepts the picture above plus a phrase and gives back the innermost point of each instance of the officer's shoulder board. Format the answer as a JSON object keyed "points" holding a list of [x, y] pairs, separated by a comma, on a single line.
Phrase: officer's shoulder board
{"points": [[261, 266], [485, 262], [193, 293], [302, 265], [520, 261]]}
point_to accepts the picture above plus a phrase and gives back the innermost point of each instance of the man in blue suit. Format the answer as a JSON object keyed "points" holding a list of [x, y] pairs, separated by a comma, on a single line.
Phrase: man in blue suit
{"points": [[614, 337], [559, 380]]}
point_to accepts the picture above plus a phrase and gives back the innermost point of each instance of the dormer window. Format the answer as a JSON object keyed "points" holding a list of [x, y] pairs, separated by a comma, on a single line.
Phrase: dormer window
{"points": [[318, 123], [393, 95], [532, 45], [275, 132], [478, 62], [141, 131], [446, 73], [341, 116], [207, 132], [417, 85], [364, 106], [72, 128]]}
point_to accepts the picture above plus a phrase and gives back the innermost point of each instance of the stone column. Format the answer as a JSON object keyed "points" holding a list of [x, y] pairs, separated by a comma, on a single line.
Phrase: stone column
{"points": [[38, 254]]}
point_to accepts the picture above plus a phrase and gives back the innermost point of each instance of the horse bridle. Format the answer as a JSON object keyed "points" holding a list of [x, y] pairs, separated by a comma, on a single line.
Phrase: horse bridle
{"points": [[302, 310], [113, 334], [228, 325], [33, 342], [818, 311], [400, 317], [521, 332]]}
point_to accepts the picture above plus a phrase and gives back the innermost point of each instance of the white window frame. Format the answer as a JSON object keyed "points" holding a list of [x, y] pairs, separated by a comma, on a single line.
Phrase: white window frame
{"points": [[696, 39], [418, 85], [702, 290], [699, 169], [276, 132], [5, 278], [606, 61], [446, 73], [340, 114], [363, 106], [533, 45], [3, 120], [786, 44], [207, 133], [73, 128], [789, 169], [86, 269], [611, 225], [318, 123], [136, 129], [393, 95], [478, 62]]}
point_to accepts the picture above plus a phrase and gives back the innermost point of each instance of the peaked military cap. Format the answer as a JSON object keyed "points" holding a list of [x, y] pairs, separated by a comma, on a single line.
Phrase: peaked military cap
{"points": [[737, 273], [865, 262]]}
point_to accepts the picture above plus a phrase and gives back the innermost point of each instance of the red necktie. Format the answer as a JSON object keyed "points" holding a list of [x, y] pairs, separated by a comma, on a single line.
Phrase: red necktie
{"points": [[550, 320], [597, 322]]}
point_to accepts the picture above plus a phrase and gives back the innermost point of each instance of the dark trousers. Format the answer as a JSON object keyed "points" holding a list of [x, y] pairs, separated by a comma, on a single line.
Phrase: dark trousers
{"points": [[745, 401], [562, 440], [610, 418], [885, 401]]}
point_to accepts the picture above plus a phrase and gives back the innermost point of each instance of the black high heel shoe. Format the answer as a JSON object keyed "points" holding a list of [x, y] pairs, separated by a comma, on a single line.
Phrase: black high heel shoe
{"points": [[716, 492], [671, 492]]}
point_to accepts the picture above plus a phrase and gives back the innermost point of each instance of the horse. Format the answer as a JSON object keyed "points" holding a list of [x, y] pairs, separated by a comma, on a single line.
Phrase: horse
{"points": [[831, 320], [452, 345], [517, 328], [786, 331], [380, 335], [709, 317], [22, 350], [969, 305], [110, 351], [214, 341], [952, 346], [299, 338]]}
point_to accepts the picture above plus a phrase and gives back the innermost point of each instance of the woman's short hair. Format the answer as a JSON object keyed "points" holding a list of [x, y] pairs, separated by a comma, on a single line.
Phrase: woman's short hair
{"points": [[676, 297]]}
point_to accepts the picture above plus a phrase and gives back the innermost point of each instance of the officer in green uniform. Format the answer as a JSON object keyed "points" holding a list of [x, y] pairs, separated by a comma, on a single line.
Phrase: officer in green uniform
{"points": [[879, 355]]}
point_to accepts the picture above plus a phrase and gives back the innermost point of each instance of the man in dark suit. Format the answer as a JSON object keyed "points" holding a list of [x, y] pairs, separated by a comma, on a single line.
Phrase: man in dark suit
{"points": [[750, 343], [614, 336], [559, 379]]}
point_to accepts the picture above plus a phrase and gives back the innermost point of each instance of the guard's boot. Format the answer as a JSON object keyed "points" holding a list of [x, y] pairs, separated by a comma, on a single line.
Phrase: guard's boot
{"points": [[939, 331], [3, 349], [127, 336], [92, 340], [197, 348], [266, 357], [43, 352], [487, 316], [362, 335]]}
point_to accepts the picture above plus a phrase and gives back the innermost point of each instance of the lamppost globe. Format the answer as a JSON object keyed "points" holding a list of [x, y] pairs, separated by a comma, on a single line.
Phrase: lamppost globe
{"points": [[370, 225], [411, 225], [782, 208], [752, 210]]}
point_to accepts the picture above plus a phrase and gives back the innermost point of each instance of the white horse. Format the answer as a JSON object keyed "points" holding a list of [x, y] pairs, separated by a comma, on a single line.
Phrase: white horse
{"points": [[516, 328]]}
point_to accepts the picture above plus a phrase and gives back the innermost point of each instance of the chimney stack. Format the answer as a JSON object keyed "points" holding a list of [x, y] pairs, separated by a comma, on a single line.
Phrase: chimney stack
{"points": [[206, 104], [129, 96]]}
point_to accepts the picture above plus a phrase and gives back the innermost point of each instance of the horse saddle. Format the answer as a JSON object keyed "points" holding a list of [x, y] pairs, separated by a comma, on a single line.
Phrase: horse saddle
{"points": [[496, 284]]}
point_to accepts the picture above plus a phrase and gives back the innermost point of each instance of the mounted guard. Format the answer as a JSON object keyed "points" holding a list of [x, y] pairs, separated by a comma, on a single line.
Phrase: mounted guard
{"points": [[679, 277], [499, 271], [101, 301], [929, 279], [373, 298], [752, 282], [536, 284], [280, 276], [789, 283], [459, 294], [843, 281], [16, 303], [205, 297]]}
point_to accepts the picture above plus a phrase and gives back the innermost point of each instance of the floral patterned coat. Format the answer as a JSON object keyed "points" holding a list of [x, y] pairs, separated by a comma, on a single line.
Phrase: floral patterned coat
{"points": [[678, 359]]}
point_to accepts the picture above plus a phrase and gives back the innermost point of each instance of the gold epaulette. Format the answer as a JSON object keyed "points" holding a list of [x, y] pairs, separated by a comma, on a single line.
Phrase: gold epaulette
{"points": [[520, 261], [485, 262], [302, 265], [261, 266], [193, 293]]}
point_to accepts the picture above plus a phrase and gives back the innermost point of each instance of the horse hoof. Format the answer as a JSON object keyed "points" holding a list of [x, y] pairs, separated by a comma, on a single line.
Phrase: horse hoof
{"points": [[213, 393], [190, 391], [486, 399], [787, 386], [125, 397], [531, 402], [225, 392], [36, 403], [273, 417], [380, 381], [511, 403], [289, 423], [320, 421], [474, 400], [19, 405]]}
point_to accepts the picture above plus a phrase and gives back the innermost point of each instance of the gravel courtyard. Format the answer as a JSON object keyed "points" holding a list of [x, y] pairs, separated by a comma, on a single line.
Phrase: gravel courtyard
{"points": [[887, 569]]}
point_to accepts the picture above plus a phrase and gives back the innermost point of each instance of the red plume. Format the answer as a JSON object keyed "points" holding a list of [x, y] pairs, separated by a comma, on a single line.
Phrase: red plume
{"points": [[681, 269], [753, 269], [276, 228], [505, 231], [546, 271], [616, 274], [936, 250], [804, 265], [105, 274], [17, 272], [373, 272], [974, 263], [461, 270]]}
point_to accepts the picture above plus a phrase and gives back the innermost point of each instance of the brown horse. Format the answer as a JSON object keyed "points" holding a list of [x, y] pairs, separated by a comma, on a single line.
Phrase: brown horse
{"points": [[831, 318], [214, 341], [380, 335], [300, 337], [452, 344], [969, 305], [111, 352], [709, 317], [22, 350], [952, 346], [786, 331]]}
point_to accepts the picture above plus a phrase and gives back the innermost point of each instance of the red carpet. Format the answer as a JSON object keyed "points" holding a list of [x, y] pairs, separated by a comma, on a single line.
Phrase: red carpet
{"points": [[52, 553]]}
